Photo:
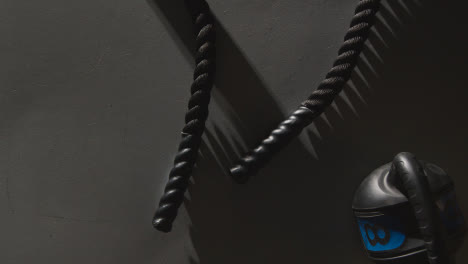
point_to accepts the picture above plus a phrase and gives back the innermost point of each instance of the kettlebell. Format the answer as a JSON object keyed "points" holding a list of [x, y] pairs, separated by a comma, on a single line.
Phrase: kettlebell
{"points": [[406, 212]]}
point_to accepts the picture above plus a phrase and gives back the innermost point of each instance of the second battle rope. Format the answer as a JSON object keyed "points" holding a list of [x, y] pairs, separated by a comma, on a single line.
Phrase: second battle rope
{"points": [[318, 101]]}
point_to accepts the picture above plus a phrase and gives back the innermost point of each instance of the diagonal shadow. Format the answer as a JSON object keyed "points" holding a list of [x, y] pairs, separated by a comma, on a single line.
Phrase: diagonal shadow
{"points": [[237, 84]]}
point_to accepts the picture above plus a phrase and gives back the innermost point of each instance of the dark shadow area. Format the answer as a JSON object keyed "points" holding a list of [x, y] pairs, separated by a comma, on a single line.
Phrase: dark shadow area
{"points": [[298, 209], [237, 84]]}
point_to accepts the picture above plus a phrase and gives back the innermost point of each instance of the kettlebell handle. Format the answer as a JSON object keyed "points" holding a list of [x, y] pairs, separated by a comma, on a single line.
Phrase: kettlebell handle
{"points": [[410, 175]]}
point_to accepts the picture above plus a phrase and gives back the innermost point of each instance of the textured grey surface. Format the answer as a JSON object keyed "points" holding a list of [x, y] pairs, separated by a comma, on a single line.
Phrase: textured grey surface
{"points": [[92, 97]]}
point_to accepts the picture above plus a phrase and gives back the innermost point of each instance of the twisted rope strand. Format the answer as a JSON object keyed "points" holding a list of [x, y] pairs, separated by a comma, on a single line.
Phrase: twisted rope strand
{"points": [[320, 99], [195, 117]]}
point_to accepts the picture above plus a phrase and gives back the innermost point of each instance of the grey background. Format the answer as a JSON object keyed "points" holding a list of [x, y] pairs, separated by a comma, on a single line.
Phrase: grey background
{"points": [[92, 98]]}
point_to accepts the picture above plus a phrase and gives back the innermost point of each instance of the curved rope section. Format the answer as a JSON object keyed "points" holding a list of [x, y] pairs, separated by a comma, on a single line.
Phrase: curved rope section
{"points": [[195, 117], [320, 99]]}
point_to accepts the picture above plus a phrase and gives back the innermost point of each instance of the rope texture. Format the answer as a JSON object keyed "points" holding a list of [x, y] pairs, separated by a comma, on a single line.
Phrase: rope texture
{"points": [[320, 99], [195, 117]]}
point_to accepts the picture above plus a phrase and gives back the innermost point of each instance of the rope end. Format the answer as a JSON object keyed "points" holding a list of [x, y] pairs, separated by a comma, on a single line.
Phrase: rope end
{"points": [[162, 225], [240, 174]]}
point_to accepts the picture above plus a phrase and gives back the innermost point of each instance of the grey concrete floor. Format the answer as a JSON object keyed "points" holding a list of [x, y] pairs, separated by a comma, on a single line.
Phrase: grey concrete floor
{"points": [[92, 98]]}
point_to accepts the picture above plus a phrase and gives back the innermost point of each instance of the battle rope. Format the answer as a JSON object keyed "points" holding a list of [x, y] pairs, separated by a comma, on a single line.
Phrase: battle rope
{"points": [[318, 101], [195, 118]]}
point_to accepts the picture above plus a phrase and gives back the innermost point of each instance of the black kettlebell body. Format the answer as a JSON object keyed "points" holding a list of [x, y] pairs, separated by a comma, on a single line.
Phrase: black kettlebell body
{"points": [[389, 227]]}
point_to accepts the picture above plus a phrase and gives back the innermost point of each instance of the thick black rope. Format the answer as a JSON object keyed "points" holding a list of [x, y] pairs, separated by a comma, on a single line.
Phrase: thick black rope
{"points": [[195, 118], [318, 101]]}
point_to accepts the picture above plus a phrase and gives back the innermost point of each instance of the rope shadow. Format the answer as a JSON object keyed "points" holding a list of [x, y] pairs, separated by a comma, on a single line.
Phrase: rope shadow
{"points": [[233, 72]]}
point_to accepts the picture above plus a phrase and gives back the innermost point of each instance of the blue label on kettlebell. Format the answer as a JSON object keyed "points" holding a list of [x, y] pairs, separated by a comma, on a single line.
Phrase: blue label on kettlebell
{"points": [[381, 233], [450, 213]]}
